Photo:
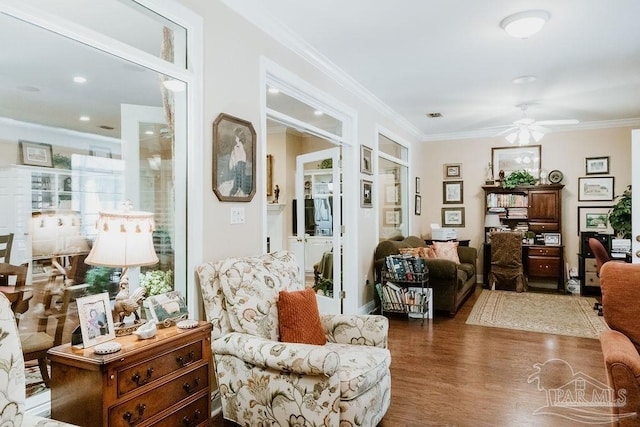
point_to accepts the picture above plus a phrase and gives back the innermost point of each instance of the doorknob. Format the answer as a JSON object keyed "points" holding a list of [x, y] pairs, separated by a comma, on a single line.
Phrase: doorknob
{"points": [[638, 238]]}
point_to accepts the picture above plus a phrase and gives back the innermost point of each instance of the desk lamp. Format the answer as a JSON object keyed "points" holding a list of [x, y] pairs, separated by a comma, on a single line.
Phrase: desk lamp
{"points": [[125, 239]]}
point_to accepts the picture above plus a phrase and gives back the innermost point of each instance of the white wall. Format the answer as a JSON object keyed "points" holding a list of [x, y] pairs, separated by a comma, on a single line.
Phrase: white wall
{"points": [[232, 51]]}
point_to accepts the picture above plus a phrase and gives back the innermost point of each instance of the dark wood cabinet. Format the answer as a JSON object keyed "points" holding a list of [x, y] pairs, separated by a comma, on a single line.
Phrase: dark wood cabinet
{"points": [[536, 208], [163, 381]]}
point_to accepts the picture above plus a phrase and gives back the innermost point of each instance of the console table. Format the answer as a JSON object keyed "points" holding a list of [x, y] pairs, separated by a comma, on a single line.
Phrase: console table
{"points": [[163, 381]]}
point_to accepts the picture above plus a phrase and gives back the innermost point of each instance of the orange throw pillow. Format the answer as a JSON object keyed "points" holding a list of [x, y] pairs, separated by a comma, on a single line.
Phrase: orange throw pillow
{"points": [[299, 318]]}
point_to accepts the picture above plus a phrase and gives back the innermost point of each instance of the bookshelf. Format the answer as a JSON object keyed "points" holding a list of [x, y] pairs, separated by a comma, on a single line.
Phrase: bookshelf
{"points": [[404, 287]]}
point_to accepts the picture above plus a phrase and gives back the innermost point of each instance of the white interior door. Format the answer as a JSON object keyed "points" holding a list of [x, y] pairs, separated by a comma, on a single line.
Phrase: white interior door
{"points": [[319, 224], [635, 201]]}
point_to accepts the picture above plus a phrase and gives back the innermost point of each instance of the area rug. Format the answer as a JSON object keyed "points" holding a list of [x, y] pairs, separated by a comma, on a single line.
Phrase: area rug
{"points": [[536, 312], [33, 381]]}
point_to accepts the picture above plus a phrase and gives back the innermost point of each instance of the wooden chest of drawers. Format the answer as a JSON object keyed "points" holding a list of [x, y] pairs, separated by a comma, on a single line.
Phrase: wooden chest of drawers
{"points": [[162, 381], [546, 262]]}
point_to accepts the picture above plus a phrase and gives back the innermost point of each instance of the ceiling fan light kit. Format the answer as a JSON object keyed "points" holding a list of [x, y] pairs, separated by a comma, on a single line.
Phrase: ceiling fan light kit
{"points": [[523, 25]]}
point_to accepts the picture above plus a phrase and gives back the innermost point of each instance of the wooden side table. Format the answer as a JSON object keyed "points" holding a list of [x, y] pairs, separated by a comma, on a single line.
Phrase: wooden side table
{"points": [[162, 381]]}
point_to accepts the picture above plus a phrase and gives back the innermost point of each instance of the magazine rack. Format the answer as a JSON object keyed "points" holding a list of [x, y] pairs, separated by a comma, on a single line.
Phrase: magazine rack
{"points": [[405, 287]]}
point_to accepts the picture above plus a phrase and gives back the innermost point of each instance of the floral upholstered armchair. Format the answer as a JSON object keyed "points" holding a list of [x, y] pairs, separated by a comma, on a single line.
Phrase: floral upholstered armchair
{"points": [[12, 381], [264, 381]]}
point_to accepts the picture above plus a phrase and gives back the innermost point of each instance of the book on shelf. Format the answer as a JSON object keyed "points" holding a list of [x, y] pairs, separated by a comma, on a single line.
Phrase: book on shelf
{"points": [[406, 267]]}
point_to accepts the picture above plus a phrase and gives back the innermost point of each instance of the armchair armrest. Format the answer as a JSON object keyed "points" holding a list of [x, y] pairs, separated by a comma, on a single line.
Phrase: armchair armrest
{"points": [[623, 369], [289, 357], [467, 254], [442, 268], [371, 330]]}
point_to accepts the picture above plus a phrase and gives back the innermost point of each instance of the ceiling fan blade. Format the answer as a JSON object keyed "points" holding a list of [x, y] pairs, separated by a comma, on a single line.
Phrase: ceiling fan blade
{"points": [[508, 130], [557, 122]]}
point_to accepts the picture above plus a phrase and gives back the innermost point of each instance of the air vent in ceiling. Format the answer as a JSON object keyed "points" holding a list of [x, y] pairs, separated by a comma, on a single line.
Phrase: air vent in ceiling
{"points": [[105, 127], [434, 115]]}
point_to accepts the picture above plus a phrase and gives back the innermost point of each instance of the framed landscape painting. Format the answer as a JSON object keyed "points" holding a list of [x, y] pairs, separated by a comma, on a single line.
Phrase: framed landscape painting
{"points": [[594, 218]]}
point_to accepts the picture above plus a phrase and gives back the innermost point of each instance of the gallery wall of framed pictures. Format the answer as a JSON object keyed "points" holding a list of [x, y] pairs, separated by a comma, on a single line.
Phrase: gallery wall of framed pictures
{"points": [[452, 194], [598, 188]]}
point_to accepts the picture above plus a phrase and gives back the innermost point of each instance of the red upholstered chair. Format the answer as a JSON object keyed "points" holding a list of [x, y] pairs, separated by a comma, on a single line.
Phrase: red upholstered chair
{"points": [[620, 284]]}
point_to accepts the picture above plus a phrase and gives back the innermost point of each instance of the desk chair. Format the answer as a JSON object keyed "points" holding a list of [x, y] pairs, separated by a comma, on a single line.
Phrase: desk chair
{"points": [[6, 241], [20, 302], [602, 256], [507, 272]]}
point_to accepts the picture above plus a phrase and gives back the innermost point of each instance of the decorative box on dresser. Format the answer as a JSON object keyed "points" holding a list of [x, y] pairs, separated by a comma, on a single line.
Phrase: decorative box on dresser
{"points": [[163, 381], [540, 208]]}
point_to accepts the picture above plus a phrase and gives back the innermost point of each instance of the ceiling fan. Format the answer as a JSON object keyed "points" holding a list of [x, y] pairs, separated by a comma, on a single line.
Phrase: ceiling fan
{"points": [[526, 128]]}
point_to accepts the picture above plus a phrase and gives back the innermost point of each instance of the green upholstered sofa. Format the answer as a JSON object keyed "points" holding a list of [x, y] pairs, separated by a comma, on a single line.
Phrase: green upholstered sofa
{"points": [[452, 283]]}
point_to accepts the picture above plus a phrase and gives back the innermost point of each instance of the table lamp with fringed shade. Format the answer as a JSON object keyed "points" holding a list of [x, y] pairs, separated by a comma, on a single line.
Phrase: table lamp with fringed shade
{"points": [[125, 239]]}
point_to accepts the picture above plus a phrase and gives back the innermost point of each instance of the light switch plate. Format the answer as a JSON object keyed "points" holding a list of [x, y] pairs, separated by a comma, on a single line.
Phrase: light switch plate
{"points": [[237, 215]]}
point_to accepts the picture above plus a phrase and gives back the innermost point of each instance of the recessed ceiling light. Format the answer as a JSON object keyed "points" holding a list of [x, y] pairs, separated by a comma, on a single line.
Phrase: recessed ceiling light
{"points": [[318, 113], [79, 79], [84, 118], [273, 90], [523, 25], [148, 132], [434, 115], [524, 79]]}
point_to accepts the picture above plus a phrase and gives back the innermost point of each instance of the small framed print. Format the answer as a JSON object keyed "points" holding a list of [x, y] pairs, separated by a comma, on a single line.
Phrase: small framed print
{"points": [[366, 162], [452, 171], [551, 239], [36, 154], [96, 320], [453, 217], [595, 189], [366, 193], [594, 218], [417, 185], [418, 204], [597, 165], [167, 309], [452, 192], [391, 217]]}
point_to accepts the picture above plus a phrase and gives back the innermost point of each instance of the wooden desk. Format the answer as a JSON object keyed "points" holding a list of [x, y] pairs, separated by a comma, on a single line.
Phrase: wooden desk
{"points": [[539, 262], [165, 380]]}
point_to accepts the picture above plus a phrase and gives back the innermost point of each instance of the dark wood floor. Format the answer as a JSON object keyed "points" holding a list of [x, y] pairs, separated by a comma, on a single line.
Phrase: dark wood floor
{"points": [[447, 373]]}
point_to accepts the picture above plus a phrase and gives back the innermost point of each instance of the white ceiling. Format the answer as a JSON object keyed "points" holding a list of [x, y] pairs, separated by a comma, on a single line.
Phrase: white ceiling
{"points": [[452, 57]]}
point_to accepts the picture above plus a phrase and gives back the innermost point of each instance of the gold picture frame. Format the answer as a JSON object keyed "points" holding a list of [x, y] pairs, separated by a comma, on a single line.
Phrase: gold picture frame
{"points": [[234, 159]]}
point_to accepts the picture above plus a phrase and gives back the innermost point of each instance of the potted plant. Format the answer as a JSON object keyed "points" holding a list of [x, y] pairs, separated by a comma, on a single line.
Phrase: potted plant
{"points": [[156, 282], [520, 177], [620, 215]]}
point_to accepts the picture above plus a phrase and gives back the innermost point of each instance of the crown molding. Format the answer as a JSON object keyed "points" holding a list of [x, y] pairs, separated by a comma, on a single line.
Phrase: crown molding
{"points": [[603, 124], [264, 20]]}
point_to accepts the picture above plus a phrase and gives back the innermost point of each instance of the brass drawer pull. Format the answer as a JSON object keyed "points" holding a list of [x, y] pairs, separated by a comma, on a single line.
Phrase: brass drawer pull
{"points": [[128, 416], [187, 422], [142, 381], [182, 362], [187, 386]]}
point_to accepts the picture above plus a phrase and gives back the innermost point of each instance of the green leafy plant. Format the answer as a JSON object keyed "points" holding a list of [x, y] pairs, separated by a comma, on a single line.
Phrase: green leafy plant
{"points": [[326, 286], [99, 279], [156, 282], [521, 177], [620, 215], [61, 161]]}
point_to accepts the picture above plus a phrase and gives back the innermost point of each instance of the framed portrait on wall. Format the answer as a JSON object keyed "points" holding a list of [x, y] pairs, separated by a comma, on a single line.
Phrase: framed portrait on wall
{"points": [[366, 193], [366, 161], [234, 159]]}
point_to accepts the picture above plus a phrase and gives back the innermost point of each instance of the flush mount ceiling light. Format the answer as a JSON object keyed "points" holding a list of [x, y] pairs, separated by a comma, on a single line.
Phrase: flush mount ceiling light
{"points": [[524, 79], [523, 25]]}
